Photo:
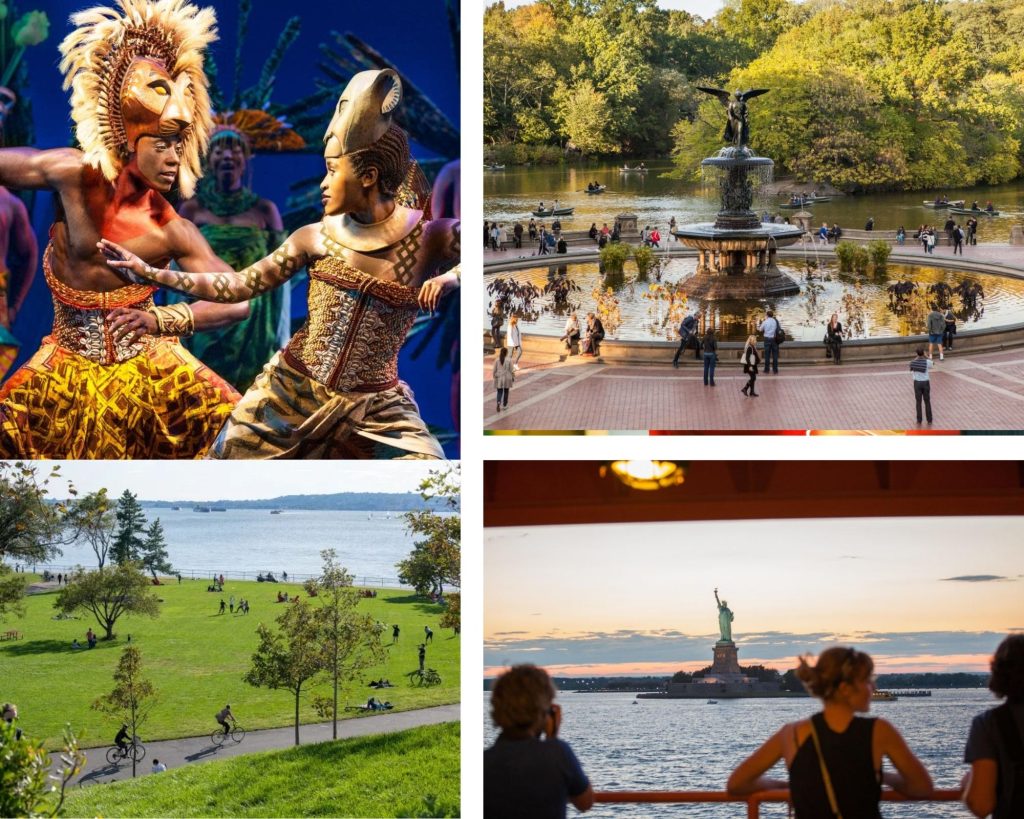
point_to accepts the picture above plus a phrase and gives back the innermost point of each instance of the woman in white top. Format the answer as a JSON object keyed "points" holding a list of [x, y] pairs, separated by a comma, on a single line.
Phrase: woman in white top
{"points": [[571, 335], [514, 342], [503, 376]]}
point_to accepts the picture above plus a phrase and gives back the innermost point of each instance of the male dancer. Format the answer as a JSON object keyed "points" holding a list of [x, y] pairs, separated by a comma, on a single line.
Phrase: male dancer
{"points": [[112, 381], [334, 391]]}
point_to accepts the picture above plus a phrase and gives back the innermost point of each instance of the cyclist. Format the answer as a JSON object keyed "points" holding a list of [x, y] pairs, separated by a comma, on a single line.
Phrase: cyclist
{"points": [[121, 740], [223, 716]]}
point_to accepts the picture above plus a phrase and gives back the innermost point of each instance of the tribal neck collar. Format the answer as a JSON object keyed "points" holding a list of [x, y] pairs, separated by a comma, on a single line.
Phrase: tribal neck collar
{"points": [[346, 232], [220, 203]]}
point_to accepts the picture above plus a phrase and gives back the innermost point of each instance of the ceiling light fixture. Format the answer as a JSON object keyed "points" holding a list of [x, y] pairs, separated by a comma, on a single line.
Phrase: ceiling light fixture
{"points": [[646, 475]]}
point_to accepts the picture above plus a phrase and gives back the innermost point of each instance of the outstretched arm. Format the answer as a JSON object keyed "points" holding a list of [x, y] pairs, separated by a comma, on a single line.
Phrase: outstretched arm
{"points": [[32, 169], [223, 287], [747, 778], [911, 777]]}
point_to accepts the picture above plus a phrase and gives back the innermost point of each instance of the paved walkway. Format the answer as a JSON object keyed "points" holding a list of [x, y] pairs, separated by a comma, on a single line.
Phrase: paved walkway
{"points": [[983, 391], [177, 752]]}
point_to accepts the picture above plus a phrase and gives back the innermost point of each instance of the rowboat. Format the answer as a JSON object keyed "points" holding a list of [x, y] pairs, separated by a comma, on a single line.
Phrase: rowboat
{"points": [[633, 170], [796, 206], [956, 203], [556, 212], [598, 189], [974, 211], [494, 167]]}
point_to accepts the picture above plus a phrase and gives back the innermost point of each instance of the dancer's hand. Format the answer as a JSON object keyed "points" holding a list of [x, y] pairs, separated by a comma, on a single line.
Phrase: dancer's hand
{"points": [[434, 289], [130, 325], [123, 262]]}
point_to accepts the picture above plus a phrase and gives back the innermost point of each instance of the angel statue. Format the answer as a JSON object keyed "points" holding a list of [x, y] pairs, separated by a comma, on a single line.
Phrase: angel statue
{"points": [[736, 129]]}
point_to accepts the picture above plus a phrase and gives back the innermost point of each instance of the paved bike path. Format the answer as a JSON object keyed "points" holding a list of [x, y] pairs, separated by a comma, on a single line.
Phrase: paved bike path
{"points": [[188, 750]]}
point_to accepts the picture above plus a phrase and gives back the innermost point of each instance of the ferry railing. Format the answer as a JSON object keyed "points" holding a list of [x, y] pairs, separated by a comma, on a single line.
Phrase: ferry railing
{"points": [[753, 801]]}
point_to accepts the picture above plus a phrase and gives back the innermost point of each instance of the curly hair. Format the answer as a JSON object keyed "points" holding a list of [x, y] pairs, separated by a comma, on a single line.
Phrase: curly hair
{"points": [[1007, 678], [521, 698], [834, 667], [389, 155]]}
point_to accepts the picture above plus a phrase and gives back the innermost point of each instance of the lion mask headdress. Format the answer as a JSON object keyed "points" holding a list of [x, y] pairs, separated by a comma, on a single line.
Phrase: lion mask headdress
{"points": [[140, 74]]}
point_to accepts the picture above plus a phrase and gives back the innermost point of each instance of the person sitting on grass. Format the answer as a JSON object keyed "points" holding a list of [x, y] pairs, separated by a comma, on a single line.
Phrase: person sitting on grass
{"points": [[529, 771]]}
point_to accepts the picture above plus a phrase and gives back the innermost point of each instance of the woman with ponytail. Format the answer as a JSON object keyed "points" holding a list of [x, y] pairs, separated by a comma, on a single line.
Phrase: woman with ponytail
{"points": [[835, 757]]}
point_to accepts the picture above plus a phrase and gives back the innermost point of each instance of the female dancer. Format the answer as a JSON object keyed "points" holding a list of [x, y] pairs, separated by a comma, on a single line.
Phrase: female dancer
{"points": [[835, 757], [750, 361]]}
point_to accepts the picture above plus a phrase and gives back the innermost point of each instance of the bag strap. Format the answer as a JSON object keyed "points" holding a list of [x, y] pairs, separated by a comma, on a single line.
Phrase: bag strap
{"points": [[824, 773]]}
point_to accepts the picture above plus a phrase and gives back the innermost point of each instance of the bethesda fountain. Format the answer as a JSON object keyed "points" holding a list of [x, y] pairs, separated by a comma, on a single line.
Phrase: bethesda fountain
{"points": [[736, 252]]}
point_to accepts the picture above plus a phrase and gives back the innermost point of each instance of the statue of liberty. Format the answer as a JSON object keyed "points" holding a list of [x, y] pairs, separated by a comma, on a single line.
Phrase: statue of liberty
{"points": [[725, 617]]}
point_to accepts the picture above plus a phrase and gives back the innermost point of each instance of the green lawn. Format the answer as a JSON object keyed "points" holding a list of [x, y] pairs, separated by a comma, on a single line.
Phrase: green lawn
{"points": [[411, 773], [196, 659]]}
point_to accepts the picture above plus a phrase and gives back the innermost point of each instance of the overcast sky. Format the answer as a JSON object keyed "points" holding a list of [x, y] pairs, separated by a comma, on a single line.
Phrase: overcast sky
{"points": [[704, 8], [239, 480], [932, 593]]}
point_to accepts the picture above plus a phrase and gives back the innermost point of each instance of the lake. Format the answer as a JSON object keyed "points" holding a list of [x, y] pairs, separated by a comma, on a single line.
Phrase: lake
{"points": [[690, 745], [247, 541], [511, 194]]}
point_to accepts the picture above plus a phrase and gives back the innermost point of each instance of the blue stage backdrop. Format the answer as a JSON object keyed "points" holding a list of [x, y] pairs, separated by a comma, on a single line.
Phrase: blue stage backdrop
{"points": [[415, 37]]}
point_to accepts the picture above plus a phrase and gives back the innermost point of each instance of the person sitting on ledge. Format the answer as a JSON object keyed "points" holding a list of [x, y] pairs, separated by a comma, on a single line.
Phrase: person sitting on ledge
{"points": [[835, 757]]}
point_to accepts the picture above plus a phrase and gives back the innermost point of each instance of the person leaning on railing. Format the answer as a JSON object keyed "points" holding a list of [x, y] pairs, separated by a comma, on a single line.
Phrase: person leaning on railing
{"points": [[835, 757], [529, 772], [995, 747]]}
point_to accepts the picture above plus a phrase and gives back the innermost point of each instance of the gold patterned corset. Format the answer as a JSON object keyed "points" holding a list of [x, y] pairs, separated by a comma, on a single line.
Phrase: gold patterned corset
{"points": [[356, 326], [80, 318]]}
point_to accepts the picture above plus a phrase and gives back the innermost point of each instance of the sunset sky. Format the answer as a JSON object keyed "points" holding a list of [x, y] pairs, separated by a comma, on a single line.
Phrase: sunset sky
{"points": [[930, 594]]}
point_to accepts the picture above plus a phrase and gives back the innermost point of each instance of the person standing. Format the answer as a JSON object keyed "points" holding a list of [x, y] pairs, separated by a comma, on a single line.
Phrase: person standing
{"points": [[529, 771], [870, 224], [655, 238], [995, 746], [835, 757], [901, 235], [514, 342], [503, 376], [687, 328], [710, 348], [834, 337], [919, 368], [972, 231], [950, 329], [750, 361], [495, 233], [931, 240], [770, 330], [502, 237], [936, 328], [517, 232], [949, 227], [497, 319], [531, 230], [422, 653], [958, 240]]}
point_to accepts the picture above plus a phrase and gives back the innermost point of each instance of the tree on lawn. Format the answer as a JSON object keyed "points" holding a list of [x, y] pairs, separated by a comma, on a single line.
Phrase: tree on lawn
{"points": [[109, 594], [290, 656], [31, 527], [131, 526], [351, 640], [452, 617], [133, 697], [92, 518], [435, 559], [154, 550]]}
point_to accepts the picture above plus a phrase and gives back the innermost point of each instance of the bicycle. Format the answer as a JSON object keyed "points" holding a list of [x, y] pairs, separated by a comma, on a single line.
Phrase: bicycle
{"points": [[237, 734], [426, 677], [134, 750]]}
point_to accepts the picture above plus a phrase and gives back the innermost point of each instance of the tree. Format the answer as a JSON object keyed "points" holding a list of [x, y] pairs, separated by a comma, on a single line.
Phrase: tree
{"points": [[452, 617], [584, 116], [92, 518], [131, 523], [291, 656], [26, 777], [109, 594], [154, 550], [133, 697], [435, 559], [351, 640]]}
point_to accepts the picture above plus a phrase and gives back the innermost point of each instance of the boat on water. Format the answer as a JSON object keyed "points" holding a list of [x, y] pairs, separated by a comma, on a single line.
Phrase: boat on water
{"points": [[218, 509], [598, 189], [883, 696], [275, 511], [974, 211], [494, 167], [200, 508], [921, 693], [956, 203], [625, 169], [175, 508], [556, 212], [795, 205], [712, 702]]}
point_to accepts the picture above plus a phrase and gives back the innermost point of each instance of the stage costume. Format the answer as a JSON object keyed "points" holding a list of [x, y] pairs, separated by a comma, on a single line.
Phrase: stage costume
{"points": [[87, 393], [334, 391]]}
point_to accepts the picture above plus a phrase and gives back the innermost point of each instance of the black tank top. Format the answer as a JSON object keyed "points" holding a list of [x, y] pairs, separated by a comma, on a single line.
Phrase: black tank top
{"points": [[856, 783]]}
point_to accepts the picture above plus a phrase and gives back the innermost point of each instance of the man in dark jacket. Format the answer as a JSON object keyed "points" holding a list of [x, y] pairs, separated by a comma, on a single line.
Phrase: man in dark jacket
{"points": [[686, 331]]}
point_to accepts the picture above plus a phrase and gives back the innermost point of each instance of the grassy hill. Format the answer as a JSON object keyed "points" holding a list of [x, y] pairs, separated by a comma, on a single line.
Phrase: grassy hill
{"points": [[196, 658], [411, 773]]}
